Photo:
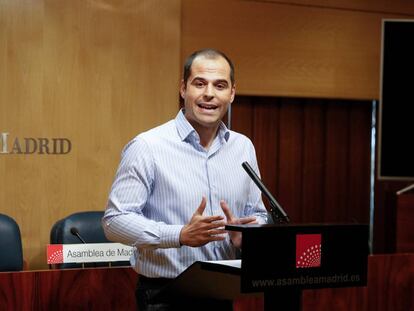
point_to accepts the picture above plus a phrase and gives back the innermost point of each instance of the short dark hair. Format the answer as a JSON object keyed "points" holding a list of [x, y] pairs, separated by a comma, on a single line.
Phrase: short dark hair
{"points": [[210, 54]]}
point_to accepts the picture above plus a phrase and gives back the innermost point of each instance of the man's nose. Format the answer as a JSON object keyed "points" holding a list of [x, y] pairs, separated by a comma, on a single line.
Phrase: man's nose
{"points": [[209, 91]]}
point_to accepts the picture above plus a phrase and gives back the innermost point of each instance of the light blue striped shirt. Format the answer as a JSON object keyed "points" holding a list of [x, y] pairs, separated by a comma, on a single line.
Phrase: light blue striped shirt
{"points": [[161, 179]]}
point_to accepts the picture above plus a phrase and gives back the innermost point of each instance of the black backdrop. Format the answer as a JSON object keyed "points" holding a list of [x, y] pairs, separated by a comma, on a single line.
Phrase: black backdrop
{"points": [[396, 121]]}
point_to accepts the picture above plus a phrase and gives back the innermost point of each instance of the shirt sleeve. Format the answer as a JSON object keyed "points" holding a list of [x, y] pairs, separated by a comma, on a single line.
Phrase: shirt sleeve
{"points": [[124, 220]]}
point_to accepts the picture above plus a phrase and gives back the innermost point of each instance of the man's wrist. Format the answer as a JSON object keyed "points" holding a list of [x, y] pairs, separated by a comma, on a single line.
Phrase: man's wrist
{"points": [[181, 236], [170, 236]]}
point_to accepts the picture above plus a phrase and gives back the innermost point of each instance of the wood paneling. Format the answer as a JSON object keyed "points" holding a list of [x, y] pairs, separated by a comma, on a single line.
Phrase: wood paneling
{"points": [[242, 112], [314, 155], [290, 128], [393, 276], [405, 223], [359, 156], [390, 287], [403, 7], [266, 129], [96, 72], [336, 170], [291, 50], [73, 289], [313, 160]]}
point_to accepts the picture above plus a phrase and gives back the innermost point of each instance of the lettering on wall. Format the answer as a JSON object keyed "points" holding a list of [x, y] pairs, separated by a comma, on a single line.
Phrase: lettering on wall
{"points": [[30, 145]]}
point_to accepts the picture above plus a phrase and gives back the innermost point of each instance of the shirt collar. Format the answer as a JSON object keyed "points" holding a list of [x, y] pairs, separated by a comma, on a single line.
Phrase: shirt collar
{"points": [[185, 129]]}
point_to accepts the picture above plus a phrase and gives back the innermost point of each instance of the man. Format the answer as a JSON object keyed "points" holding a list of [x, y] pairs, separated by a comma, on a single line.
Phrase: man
{"points": [[180, 183]]}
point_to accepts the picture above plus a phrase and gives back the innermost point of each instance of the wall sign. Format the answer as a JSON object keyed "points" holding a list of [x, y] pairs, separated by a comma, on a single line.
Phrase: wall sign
{"points": [[31, 145]]}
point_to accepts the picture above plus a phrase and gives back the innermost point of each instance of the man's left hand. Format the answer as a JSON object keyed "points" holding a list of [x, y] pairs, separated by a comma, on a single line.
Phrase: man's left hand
{"points": [[236, 237]]}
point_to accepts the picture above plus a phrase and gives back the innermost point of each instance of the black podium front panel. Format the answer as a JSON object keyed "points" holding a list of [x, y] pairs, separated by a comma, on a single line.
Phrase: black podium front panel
{"points": [[308, 256]]}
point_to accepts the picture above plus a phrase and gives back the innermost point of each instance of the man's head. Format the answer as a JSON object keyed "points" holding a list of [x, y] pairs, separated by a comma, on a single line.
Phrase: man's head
{"points": [[209, 54], [207, 88]]}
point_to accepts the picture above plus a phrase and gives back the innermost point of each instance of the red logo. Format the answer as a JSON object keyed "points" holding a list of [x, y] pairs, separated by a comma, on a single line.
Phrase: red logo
{"points": [[54, 253], [308, 250]]}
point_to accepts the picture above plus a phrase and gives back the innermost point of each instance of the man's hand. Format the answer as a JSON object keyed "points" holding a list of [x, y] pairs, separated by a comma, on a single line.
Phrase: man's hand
{"points": [[202, 229], [236, 237]]}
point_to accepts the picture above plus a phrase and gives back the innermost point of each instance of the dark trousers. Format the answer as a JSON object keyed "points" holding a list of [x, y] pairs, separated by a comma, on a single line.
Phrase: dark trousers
{"points": [[147, 287]]}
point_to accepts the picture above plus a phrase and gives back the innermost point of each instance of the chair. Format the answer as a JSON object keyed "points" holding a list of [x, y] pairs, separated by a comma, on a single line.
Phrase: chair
{"points": [[88, 225], [11, 253]]}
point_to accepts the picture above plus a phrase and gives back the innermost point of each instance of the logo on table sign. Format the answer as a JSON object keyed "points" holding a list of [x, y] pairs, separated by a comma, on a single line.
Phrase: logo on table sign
{"points": [[55, 254], [308, 250]]}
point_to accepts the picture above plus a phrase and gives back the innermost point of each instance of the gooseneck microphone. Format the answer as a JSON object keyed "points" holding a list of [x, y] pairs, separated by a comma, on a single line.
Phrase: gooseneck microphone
{"points": [[75, 232], [279, 216]]}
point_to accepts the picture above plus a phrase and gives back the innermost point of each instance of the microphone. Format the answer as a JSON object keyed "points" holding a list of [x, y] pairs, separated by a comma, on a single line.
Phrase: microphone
{"points": [[75, 232], [279, 216]]}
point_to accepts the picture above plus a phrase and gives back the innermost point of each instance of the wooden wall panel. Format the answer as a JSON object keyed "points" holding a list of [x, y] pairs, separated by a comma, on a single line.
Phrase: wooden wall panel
{"points": [[88, 71], [313, 161], [314, 155], [291, 50], [242, 112], [266, 129], [290, 157], [309, 49], [359, 155], [390, 287], [405, 223], [71, 289], [96, 72], [403, 7], [336, 163]]}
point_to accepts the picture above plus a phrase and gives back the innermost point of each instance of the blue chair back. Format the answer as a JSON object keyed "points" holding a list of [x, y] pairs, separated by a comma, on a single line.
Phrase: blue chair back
{"points": [[11, 252]]}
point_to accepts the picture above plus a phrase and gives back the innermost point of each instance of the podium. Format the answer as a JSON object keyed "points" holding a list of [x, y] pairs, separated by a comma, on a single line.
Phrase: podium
{"points": [[280, 261], [404, 224]]}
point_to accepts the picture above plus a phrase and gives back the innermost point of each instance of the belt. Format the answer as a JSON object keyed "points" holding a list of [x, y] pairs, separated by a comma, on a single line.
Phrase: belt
{"points": [[153, 281]]}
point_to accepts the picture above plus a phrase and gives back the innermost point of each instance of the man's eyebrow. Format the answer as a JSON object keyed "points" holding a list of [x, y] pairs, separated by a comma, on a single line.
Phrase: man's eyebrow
{"points": [[221, 81], [215, 81], [198, 78]]}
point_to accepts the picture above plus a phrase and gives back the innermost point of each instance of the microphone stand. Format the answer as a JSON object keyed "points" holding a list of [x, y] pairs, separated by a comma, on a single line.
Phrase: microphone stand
{"points": [[75, 232], [279, 216]]}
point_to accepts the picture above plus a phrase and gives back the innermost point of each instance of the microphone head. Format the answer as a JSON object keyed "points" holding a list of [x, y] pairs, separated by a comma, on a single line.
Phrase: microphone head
{"points": [[246, 165], [74, 231]]}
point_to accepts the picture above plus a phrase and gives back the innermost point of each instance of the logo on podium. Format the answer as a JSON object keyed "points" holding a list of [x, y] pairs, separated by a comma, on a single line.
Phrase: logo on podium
{"points": [[308, 250]]}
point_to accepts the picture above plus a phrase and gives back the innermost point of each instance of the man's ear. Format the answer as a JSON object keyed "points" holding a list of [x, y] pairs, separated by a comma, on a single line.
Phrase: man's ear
{"points": [[233, 92], [182, 89]]}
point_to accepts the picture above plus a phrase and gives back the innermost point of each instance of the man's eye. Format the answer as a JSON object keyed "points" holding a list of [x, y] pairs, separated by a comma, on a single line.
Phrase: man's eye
{"points": [[199, 84], [221, 86]]}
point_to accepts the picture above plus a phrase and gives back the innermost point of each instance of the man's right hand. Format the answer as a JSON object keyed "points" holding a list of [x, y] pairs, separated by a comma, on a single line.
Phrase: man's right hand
{"points": [[202, 229]]}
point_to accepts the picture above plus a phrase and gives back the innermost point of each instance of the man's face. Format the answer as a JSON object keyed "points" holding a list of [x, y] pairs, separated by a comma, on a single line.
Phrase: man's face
{"points": [[208, 92]]}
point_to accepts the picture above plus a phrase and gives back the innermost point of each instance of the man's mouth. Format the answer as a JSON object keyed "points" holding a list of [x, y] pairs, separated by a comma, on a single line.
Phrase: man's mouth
{"points": [[208, 107]]}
